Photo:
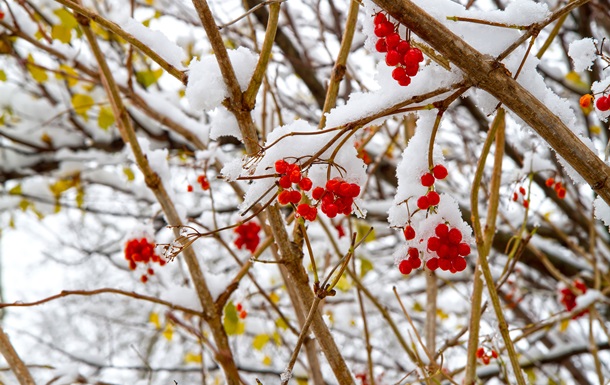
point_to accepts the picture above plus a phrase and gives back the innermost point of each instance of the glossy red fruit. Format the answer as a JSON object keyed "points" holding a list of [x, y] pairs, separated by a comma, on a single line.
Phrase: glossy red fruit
{"points": [[459, 264], [422, 203], [404, 81], [427, 180], [381, 46], [354, 190], [317, 193], [415, 262], [403, 47], [432, 264], [380, 18], [413, 253], [281, 166], [305, 184], [463, 249], [441, 230], [433, 198], [411, 68], [285, 182], [433, 243], [405, 266], [399, 73], [284, 197], [444, 264], [455, 236], [414, 55], [409, 232], [603, 103], [480, 352], [392, 58], [440, 172], [392, 41]]}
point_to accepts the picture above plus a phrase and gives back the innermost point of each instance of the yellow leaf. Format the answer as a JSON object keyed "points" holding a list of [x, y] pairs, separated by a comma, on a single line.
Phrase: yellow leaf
{"points": [[66, 18], [62, 186], [418, 307], [129, 173], [274, 297], [46, 139], [82, 103], [596, 130], [148, 77], [231, 320], [61, 33], [24, 204], [276, 338], [15, 190], [99, 31], [192, 358], [365, 266], [68, 73], [362, 228], [260, 341], [267, 361], [80, 197], [564, 325], [153, 318], [280, 323], [168, 333], [302, 381], [11, 222], [344, 284], [441, 314], [574, 79], [105, 118], [37, 73], [2, 76], [149, 2]]}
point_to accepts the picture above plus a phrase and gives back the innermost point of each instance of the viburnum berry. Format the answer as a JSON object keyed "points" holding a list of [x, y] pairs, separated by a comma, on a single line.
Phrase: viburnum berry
{"points": [[494, 354], [281, 166], [413, 253], [392, 41], [463, 249], [561, 193], [409, 232], [285, 182], [404, 81], [568, 298], [142, 251], [432, 263], [247, 236], [305, 184], [392, 58], [203, 181], [239, 307], [399, 73], [550, 182], [144, 278], [415, 262], [414, 55], [586, 100], [480, 352], [522, 190], [307, 212], [284, 197], [433, 198], [384, 29], [433, 243], [441, 230], [380, 18], [603, 103], [427, 180], [403, 47], [423, 203], [243, 314], [411, 68], [189, 188], [405, 267], [459, 263], [317, 193], [455, 236], [440, 172], [381, 46]]}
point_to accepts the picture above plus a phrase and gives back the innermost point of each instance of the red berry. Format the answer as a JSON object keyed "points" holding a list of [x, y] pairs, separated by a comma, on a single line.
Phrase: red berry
{"points": [[522, 190], [203, 181], [515, 197], [494, 354], [485, 360], [415, 261], [398, 73], [422, 203], [413, 253], [381, 46], [295, 197], [463, 249], [333, 185], [550, 182], [443, 251], [427, 180], [441, 230], [404, 81], [281, 166], [480, 352], [392, 41], [189, 188], [354, 190], [455, 236], [526, 203], [432, 264], [305, 184], [384, 29], [409, 232], [440, 172], [380, 18], [331, 210], [295, 176], [459, 264], [414, 55], [392, 58], [243, 314], [411, 68], [405, 267], [561, 193], [403, 47], [284, 197], [285, 182], [144, 278], [150, 271], [603, 103], [317, 193], [444, 264], [433, 198], [433, 243]]}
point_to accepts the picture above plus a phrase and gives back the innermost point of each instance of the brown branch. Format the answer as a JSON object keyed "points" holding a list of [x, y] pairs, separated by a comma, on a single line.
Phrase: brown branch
{"points": [[17, 366]]}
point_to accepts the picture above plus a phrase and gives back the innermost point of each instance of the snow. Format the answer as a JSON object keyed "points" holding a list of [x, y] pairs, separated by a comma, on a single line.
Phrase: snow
{"points": [[224, 124], [587, 299], [583, 53], [599, 89], [156, 40], [206, 88], [602, 210]]}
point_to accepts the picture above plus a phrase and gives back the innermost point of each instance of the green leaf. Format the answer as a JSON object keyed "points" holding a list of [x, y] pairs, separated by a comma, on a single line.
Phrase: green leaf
{"points": [[82, 103], [149, 77], [105, 118], [231, 320]]}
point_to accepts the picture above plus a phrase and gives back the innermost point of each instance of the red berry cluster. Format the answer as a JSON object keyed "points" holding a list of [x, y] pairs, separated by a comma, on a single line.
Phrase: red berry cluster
{"points": [[603, 103], [568, 298], [240, 309], [399, 52], [337, 197], [247, 235], [431, 198], [290, 173], [525, 202], [203, 181], [411, 263], [142, 251], [449, 248], [557, 186], [484, 356]]}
